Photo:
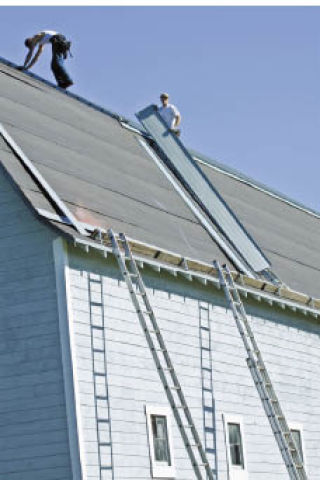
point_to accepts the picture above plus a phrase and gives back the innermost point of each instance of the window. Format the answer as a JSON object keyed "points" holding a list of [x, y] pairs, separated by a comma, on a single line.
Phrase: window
{"points": [[298, 443], [296, 430], [235, 444], [235, 447], [160, 442]]}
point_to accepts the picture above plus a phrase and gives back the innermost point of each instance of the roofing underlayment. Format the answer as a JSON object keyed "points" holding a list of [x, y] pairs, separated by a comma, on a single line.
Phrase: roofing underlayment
{"points": [[107, 179]]}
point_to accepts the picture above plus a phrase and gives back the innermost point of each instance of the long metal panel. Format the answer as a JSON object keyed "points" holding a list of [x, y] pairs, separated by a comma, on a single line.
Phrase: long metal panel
{"points": [[202, 190]]}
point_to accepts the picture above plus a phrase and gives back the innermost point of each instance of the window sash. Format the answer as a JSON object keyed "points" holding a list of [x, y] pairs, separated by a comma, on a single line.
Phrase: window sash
{"points": [[235, 445], [160, 439]]}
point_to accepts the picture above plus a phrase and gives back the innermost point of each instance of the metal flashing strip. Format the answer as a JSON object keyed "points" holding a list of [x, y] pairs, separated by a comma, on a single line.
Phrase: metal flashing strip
{"points": [[202, 219], [201, 189], [36, 175]]}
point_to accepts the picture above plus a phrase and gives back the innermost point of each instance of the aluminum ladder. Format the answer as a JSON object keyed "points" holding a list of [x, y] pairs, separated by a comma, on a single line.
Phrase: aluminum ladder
{"points": [[256, 365], [168, 376], [100, 380]]}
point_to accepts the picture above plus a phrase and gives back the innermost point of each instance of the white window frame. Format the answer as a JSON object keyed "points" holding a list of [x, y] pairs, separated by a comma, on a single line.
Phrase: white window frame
{"points": [[299, 426], [159, 470], [235, 472]]}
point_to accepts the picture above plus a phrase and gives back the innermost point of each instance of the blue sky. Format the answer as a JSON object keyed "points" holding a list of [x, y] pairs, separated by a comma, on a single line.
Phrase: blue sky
{"points": [[245, 79]]}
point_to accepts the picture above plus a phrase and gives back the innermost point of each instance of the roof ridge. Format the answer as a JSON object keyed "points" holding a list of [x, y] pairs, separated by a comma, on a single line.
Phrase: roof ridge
{"points": [[196, 155]]}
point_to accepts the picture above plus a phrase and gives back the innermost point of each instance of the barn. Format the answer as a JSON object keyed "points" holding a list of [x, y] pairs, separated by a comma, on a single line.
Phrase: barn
{"points": [[124, 348]]}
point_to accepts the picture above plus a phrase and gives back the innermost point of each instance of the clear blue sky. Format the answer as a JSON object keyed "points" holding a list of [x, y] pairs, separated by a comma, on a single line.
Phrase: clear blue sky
{"points": [[246, 79]]}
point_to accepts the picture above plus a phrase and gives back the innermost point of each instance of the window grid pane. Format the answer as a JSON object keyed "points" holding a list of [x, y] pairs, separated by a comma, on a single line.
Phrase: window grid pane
{"points": [[235, 444], [160, 439]]}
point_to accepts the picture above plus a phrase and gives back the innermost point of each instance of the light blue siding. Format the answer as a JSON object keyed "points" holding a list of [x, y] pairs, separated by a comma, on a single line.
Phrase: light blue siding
{"points": [[33, 427], [288, 341]]}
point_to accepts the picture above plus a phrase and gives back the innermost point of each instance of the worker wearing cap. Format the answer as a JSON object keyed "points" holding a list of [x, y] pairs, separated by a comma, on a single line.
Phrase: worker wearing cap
{"points": [[170, 114]]}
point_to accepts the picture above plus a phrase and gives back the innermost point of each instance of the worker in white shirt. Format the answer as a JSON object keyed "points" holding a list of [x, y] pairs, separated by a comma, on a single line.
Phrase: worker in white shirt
{"points": [[40, 39], [170, 114]]}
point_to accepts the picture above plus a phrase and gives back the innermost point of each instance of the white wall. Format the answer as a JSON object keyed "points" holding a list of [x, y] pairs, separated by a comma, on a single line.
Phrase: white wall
{"points": [[289, 344]]}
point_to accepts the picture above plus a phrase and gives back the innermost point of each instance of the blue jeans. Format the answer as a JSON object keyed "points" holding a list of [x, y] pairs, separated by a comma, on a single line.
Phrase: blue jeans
{"points": [[57, 65]]}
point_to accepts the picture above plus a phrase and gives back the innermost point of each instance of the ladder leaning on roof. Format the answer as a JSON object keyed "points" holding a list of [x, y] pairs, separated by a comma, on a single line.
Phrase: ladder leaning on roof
{"points": [[279, 425], [168, 376]]}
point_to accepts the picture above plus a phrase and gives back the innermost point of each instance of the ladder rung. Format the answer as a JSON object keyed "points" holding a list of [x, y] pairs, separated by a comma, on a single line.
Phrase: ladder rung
{"points": [[97, 327], [158, 349], [98, 350], [101, 397], [102, 420], [104, 444], [152, 331], [145, 312]]}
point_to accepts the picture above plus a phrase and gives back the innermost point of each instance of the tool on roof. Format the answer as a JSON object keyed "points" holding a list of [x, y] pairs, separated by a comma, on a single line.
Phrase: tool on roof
{"points": [[262, 381], [190, 436]]}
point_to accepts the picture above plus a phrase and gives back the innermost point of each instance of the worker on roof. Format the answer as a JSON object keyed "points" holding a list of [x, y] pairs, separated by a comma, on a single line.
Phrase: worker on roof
{"points": [[170, 114], [60, 50], [38, 40]]}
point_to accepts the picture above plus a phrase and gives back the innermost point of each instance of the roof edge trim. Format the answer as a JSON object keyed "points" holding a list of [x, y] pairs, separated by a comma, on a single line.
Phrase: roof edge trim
{"points": [[256, 293], [198, 269]]}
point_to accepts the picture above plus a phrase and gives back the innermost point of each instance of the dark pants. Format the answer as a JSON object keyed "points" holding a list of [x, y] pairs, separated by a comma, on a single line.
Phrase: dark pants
{"points": [[60, 73]]}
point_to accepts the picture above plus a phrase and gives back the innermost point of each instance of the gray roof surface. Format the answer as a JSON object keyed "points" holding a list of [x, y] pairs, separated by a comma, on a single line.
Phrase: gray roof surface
{"points": [[106, 178]]}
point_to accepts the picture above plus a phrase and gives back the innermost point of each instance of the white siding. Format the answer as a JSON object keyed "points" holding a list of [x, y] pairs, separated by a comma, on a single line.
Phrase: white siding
{"points": [[33, 428], [289, 343]]}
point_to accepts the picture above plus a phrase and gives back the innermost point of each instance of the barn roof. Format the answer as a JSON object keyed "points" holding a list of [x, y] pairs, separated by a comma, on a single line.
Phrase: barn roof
{"points": [[95, 163]]}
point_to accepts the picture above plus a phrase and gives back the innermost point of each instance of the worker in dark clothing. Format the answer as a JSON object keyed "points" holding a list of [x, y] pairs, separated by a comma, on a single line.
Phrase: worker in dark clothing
{"points": [[60, 50]]}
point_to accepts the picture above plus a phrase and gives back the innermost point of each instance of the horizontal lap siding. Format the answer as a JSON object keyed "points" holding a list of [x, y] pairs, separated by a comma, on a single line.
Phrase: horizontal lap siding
{"points": [[289, 344], [290, 348], [133, 380], [33, 427]]}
